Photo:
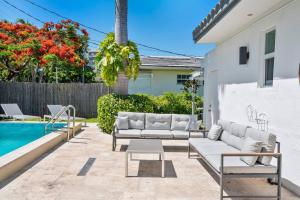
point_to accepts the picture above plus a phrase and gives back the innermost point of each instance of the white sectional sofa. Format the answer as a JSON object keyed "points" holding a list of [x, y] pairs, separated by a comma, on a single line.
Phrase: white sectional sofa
{"points": [[135, 125], [227, 154]]}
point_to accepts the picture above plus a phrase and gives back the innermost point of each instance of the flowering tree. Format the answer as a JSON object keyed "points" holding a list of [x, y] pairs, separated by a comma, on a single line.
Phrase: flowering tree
{"points": [[26, 49]]}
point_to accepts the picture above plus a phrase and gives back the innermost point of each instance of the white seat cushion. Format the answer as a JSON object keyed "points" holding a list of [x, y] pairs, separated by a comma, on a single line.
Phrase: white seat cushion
{"points": [[129, 133], [180, 134], [157, 134], [235, 165], [204, 142], [212, 149]]}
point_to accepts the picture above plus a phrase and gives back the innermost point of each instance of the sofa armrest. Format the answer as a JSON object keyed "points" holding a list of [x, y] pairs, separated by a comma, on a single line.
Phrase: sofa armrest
{"points": [[276, 155], [250, 154], [115, 129]]}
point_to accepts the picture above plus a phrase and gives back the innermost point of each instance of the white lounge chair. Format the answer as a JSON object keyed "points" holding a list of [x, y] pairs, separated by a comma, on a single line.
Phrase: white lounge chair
{"points": [[54, 109], [13, 111]]}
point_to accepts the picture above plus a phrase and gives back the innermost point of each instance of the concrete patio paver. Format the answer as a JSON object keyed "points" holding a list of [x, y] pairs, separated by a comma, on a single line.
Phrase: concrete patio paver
{"points": [[55, 176]]}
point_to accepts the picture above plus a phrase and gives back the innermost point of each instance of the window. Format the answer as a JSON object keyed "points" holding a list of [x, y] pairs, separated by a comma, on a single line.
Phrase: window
{"points": [[182, 78], [269, 57]]}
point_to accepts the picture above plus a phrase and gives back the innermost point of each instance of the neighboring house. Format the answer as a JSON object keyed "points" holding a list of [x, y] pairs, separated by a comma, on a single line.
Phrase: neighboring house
{"points": [[159, 74], [256, 62]]}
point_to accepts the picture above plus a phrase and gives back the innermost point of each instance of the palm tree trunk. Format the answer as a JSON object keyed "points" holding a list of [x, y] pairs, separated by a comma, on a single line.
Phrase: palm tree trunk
{"points": [[121, 33]]}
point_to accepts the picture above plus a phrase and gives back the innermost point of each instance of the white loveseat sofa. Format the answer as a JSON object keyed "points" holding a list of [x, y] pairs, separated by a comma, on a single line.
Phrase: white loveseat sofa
{"points": [[154, 126], [224, 155]]}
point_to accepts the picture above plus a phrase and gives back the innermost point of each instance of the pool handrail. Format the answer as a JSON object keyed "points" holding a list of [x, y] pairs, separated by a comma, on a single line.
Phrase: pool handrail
{"points": [[61, 112]]}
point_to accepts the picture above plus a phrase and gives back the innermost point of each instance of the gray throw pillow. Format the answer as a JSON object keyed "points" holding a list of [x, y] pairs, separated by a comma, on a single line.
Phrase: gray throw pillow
{"points": [[122, 123], [214, 132], [250, 146]]}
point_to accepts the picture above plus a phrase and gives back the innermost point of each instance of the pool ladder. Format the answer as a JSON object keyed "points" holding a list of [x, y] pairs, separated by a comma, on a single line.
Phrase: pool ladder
{"points": [[56, 117]]}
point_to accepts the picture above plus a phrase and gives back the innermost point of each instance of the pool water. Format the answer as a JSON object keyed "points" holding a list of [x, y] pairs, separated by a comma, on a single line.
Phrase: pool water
{"points": [[16, 135]]}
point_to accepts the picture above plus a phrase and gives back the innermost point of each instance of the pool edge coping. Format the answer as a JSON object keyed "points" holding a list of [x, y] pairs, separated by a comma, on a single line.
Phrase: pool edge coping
{"points": [[16, 160]]}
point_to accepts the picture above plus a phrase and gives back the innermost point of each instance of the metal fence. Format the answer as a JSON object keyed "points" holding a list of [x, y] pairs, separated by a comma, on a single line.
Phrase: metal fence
{"points": [[33, 98]]}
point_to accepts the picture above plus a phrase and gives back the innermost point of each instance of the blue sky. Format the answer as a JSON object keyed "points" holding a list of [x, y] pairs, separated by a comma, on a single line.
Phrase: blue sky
{"points": [[165, 24]]}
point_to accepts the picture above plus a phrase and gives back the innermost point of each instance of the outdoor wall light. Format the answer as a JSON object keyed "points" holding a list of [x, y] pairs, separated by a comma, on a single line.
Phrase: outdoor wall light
{"points": [[244, 55]]}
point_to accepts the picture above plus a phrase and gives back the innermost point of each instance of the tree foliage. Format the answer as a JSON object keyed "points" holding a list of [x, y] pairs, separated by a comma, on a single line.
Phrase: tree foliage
{"points": [[28, 52], [113, 59]]}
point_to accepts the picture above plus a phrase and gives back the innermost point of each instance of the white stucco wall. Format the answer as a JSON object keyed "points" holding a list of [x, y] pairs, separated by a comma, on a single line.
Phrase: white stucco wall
{"points": [[162, 81], [230, 87]]}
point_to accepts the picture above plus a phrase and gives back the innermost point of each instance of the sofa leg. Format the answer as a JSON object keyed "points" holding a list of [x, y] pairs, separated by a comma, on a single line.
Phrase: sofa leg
{"points": [[189, 151], [114, 143], [221, 187]]}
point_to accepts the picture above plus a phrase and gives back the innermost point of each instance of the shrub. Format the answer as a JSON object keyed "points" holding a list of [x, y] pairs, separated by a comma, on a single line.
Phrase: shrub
{"points": [[109, 105]]}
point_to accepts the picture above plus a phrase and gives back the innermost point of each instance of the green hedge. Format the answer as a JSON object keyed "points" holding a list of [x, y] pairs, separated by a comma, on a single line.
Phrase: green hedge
{"points": [[109, 105]]}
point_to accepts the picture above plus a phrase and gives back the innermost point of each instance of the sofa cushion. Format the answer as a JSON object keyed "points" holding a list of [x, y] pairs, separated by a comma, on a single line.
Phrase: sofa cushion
{"points": [[231, 140], [158, 121], [129, 133], [214, 132], [193, 124], [212, 149], [135, 120], [122, 122], [235, 136], [238, 130], [179, 122], [250, 146], [226, 125], [204, 142], [235, 165], [157, 134], [268, 146], [180, 134]]}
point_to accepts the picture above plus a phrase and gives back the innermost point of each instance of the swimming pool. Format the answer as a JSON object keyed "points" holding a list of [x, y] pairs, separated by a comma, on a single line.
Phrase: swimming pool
{"points": [[15, 135]]}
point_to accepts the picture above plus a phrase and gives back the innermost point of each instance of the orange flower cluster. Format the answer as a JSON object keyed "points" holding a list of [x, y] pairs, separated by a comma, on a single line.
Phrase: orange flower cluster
{"points": [[23, 41]]}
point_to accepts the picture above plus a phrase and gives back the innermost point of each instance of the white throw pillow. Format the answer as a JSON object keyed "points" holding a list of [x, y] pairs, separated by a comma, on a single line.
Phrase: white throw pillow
{"points": [[250, 146], [214, 132], [122, 123]]}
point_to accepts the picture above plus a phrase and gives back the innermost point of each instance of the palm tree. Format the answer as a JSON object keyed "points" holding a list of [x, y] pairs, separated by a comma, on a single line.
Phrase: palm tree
{"points": [[121, 34]]}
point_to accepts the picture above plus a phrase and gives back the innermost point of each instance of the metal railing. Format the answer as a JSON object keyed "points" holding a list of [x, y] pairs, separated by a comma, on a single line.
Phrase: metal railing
{"points": [[58, 117]]}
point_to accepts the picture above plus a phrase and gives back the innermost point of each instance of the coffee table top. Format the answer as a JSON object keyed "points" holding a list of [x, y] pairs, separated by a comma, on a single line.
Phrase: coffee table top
{"points": [[145, 146]]}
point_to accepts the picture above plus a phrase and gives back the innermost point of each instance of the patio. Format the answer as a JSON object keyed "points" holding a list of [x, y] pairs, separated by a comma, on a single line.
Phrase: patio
{"points": [[65, 174]]}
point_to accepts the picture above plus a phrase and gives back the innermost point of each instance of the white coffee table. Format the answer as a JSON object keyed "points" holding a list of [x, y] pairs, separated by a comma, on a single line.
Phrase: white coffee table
{"points": [[146, 146]]}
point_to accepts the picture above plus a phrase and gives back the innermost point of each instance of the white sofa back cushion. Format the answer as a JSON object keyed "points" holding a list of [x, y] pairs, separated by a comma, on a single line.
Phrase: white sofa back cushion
{"points": [[214, 132], [250, 146], [235, 136], [158, 121], [226, 125], [179, 122], [268, 146], [135, 120], [122, 123]]}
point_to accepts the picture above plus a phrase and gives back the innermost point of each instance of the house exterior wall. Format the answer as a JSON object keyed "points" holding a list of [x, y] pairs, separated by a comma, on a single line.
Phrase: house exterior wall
{"points": [[161, 81], [230, 87]]}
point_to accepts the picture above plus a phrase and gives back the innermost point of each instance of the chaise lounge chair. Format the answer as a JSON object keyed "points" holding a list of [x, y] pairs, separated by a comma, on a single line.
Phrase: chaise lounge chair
{"points": [[54, 109], [13, 111]]}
